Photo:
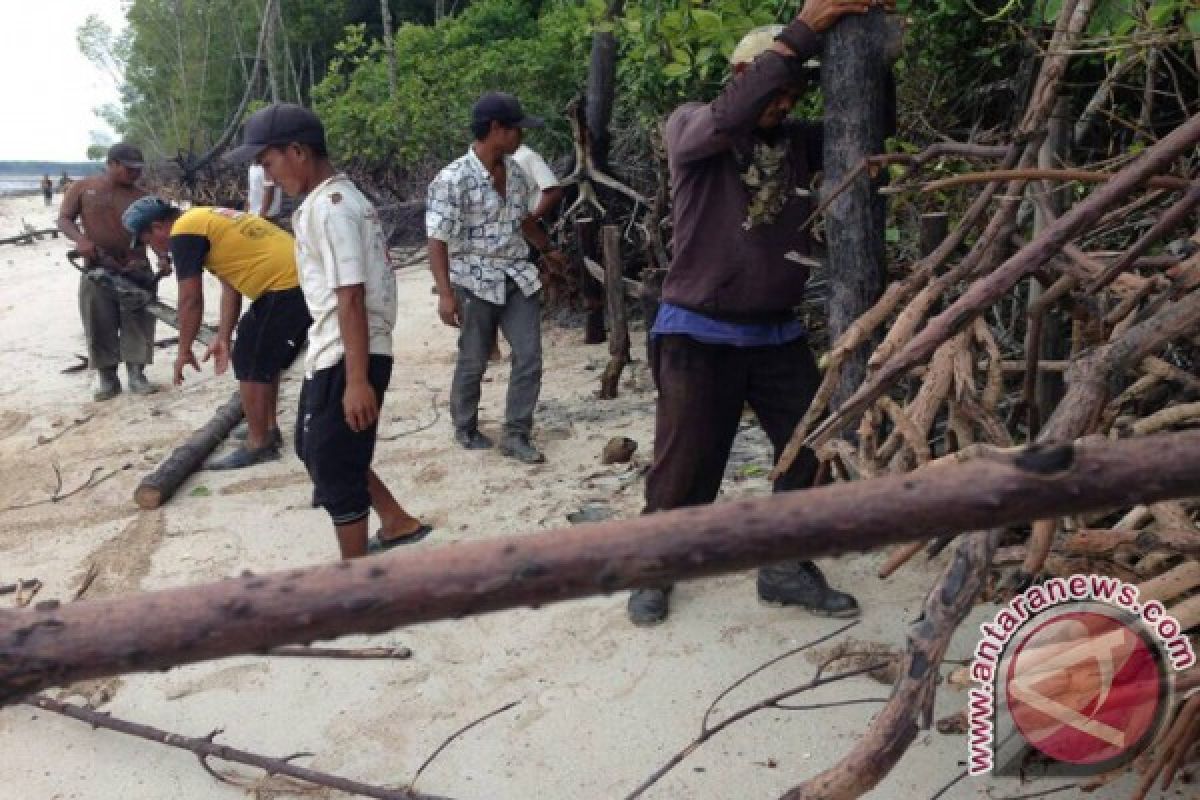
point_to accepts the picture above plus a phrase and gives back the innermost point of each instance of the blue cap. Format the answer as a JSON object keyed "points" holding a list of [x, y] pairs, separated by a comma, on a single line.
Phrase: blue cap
{"points": [[142, 212]]}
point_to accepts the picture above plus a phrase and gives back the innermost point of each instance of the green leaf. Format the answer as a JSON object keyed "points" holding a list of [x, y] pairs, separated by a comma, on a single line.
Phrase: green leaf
{"points": [[200, 491], [675, 70], [891, 235], [1192, 21], [750, 471]]}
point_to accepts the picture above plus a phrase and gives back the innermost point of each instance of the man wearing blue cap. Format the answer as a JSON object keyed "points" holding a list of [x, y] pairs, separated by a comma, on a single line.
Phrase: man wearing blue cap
{"points": [[253, 259], [478, 222]]}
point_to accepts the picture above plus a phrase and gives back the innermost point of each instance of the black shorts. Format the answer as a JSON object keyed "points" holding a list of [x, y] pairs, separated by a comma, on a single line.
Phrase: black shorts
{"points": [[337, 458], [269, 335]]}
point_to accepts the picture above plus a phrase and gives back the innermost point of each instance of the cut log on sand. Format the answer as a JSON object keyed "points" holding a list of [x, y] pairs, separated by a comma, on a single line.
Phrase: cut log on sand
{"points": [[157, 487], [157, 630]]}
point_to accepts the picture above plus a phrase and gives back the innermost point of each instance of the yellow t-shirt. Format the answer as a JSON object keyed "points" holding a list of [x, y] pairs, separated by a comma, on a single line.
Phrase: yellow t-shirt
{"points": [[244, 250]]}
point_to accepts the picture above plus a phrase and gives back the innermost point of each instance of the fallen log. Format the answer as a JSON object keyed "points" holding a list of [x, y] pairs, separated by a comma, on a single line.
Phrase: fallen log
{"points": [[161, 629], [158, 487]]}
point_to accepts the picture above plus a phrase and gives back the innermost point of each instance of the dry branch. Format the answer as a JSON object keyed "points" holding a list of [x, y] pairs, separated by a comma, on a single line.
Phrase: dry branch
{"points": [[990, 288], [911, 704], [204, 748], [1081, 175]]}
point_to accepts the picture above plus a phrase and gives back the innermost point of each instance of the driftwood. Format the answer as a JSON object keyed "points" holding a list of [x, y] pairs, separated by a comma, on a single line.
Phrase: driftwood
{"points": [[911, 703], [618, 319], [92, 639], [985, 291], [158, 487], [30, 236], [204, 748], [1087, 391]]}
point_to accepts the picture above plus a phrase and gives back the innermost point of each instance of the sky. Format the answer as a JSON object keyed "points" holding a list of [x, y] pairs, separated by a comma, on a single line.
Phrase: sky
{"points": [[49, 88]]}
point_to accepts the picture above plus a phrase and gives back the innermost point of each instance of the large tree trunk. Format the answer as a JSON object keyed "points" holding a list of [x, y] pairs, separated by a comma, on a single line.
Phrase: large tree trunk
{"points": [[389, 44], [602, 88], [156, 630], [854, 81]]}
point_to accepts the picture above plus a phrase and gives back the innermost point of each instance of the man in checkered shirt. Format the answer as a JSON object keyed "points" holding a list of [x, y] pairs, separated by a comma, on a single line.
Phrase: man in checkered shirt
{"points": [[477, 220]]}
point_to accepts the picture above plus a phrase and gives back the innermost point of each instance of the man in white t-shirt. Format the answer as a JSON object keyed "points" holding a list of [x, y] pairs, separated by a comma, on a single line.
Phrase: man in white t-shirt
{"points": [[548, 193], [262, 196], [350, 290]]}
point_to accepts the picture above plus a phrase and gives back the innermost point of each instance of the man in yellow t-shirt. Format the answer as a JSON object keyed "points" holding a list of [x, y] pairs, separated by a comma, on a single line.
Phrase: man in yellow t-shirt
{"points": [[252, 258]]}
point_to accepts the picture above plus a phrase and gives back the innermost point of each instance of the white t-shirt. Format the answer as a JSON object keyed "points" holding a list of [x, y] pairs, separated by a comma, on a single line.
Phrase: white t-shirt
{"points": [[538, 171], [339, 242], [258, 183]]}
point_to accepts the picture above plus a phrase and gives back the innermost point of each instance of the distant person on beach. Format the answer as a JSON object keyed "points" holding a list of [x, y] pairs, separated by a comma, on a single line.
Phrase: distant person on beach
{"points": [[47, 189], [479, 231], [250, 258], [64, 181], [351, 292], [115, 331]]}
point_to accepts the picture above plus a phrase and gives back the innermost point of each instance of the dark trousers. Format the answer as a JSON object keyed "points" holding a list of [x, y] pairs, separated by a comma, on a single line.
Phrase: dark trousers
{"points": [[521, 320], [115, 332], [702, 389]]}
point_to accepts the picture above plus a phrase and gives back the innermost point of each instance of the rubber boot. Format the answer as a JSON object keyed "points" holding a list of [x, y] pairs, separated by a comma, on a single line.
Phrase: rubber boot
{"points": [[800, 583], [137, 380], [107, 385]]}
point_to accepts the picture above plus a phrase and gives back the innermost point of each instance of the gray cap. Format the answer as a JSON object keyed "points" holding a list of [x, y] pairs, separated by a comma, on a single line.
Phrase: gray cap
{"points": [[505, 109], [279, 124], [126, 154]]}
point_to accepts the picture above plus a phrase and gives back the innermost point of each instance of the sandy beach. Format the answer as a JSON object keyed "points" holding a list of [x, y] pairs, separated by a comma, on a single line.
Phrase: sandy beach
{"points": [[600, 704]]}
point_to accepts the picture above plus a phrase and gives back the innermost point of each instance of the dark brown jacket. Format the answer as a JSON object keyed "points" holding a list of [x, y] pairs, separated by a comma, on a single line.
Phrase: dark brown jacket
{"points": [[719, 268]]}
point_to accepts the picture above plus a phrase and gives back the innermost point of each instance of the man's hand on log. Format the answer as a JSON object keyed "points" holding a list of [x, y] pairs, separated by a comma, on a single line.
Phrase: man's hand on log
{"points": [[448, 309], [218, 351], [360, 406], [819, 15], [185, 358]]}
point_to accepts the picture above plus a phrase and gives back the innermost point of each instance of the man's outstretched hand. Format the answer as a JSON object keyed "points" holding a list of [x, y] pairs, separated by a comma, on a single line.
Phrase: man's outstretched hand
{"points": [[819, 15]]}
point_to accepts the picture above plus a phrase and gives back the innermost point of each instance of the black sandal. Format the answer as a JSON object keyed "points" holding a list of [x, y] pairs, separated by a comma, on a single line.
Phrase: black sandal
{"points": [[378, 544]]}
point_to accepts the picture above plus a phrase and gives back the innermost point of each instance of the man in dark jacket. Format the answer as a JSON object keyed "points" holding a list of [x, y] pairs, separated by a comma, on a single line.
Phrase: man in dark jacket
{"points": [[726, 333]]}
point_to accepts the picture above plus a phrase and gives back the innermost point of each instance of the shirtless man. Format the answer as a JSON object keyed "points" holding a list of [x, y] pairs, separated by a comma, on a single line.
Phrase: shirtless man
{"points": [[114, 333]]}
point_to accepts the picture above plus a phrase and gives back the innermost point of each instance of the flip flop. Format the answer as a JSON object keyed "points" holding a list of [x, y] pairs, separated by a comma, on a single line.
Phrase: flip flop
{"points": [[377, 544]]}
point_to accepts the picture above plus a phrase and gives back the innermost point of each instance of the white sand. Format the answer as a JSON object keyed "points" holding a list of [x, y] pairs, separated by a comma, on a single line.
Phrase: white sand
{"points": [[601, 704]]}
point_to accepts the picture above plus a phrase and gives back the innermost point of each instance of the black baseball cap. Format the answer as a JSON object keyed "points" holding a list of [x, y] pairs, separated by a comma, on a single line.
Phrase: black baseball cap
{"points": [[505, 109], [126, 154], [282, 123]]}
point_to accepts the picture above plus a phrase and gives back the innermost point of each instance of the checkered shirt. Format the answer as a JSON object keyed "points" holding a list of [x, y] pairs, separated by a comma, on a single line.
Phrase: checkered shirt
{"points": [[481, 228]]}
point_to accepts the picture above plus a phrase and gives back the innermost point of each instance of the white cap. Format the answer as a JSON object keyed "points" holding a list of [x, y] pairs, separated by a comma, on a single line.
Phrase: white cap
{"points": [[754, 44]]}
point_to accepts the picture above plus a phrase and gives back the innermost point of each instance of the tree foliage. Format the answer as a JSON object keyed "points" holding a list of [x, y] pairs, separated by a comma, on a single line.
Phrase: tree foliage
{"points": [[964, 70]]}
